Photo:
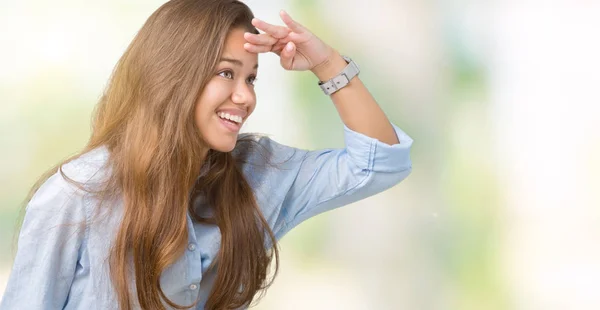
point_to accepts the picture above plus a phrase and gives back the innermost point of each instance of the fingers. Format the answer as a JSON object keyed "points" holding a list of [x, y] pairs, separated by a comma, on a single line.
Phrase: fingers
{"points": [[292, 24], [260, 39], [278, 32], [264, 42], [277, 48], [258, 48], [286, 57], [276, 39]]}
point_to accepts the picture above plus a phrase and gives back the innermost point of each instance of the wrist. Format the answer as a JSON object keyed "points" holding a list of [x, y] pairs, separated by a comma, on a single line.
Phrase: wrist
{"points": [[331, 67]]}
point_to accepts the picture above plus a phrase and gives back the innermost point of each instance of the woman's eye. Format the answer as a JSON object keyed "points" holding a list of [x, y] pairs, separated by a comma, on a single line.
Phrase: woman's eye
{"points": [[226, 74], [229, 75]]}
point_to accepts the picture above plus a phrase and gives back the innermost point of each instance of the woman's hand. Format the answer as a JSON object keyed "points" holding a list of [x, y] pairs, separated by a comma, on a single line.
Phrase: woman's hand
{"points": [[297, 48]]}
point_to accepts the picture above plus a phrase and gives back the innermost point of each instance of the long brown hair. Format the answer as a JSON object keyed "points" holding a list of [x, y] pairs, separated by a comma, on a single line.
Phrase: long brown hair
{"points": [[145, 119]]}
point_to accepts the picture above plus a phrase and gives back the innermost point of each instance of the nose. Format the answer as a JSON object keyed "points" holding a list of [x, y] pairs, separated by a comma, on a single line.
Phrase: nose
{"points": [[242, 94]]}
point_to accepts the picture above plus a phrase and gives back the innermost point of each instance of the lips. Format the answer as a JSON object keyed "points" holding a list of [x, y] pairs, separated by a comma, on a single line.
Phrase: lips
{"points": [[233, 111], [229, 125]]}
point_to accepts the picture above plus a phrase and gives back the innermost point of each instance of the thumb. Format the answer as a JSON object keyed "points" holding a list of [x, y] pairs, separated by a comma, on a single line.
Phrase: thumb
{"points": [[287, 56]]}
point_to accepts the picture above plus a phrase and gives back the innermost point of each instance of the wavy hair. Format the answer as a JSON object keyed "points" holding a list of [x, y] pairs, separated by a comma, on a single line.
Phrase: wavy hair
{"points": [[145, 118]]}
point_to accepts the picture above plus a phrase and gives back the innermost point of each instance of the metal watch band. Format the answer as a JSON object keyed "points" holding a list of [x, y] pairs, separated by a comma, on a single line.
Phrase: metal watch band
{"points": [[342, 79]]}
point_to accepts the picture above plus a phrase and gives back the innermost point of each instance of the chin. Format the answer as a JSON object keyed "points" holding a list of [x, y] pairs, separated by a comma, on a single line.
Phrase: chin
{"points": [[224, 146]]}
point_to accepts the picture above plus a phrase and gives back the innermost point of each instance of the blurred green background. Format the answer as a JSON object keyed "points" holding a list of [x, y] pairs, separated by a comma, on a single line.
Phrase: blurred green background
{"points": [[501, 209]]}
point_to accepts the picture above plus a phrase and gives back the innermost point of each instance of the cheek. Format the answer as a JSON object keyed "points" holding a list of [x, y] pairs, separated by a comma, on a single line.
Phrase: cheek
{"points": [[211, 97]]}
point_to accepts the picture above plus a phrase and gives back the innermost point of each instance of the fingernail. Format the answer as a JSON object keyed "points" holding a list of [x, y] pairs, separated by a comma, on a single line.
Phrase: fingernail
{"points": [[289, 47]]}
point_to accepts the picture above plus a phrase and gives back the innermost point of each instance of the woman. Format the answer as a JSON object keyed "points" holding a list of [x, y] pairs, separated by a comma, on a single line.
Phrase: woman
{"points": [[168, 206]]}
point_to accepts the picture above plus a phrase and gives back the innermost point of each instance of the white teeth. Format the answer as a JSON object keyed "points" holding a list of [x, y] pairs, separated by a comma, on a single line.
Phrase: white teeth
{"points": [[235, 118]]}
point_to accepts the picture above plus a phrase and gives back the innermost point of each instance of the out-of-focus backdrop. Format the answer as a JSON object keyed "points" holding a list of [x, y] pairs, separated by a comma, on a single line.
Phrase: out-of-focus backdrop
{"points": [[502, 209]]}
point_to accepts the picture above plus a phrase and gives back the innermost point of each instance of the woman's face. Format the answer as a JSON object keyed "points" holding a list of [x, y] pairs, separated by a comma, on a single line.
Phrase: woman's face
{"points": [[229, 94]]}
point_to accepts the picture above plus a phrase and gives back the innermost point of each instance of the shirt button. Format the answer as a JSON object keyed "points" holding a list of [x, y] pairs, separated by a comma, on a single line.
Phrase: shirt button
{"points": [[193, 287], [192, 246]]}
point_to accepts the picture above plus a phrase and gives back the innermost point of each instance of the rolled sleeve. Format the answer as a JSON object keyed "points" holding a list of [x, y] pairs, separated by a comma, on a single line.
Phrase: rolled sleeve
{"points": [[374, 155]]}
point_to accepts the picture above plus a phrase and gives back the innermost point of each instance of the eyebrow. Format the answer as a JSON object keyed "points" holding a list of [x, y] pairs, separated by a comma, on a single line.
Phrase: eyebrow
{"points": [[236, 62]]}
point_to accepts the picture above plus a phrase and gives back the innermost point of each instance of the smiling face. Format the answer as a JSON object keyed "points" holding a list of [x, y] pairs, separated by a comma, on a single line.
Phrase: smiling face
{"points": [[228, 99]]}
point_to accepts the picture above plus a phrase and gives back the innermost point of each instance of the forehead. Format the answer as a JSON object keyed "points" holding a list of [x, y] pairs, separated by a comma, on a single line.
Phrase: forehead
{"points": [[234, 48]]}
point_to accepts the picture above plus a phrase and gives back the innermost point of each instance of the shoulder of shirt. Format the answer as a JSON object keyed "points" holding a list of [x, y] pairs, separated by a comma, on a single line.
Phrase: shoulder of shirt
{"points": [[90, 168], [87, 170]]}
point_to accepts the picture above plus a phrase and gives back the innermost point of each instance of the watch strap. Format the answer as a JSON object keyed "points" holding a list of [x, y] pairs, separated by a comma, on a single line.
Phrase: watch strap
{"points": [[342, 79]]}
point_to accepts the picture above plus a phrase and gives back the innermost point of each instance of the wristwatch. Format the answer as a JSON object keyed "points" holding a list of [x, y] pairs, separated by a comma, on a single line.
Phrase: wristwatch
{"points": [[342, 79]]}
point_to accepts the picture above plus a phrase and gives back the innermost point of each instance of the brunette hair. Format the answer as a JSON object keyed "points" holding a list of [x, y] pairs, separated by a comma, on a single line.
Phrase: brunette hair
{"points": [[145, 118]]}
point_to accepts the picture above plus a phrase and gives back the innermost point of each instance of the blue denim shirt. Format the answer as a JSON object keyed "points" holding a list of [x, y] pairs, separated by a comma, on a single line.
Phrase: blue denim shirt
{"points": [[62, 265]]}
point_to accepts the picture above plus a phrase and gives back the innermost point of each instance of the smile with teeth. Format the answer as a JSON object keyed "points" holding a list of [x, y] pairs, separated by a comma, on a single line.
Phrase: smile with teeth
{"points": [[234, 118]]}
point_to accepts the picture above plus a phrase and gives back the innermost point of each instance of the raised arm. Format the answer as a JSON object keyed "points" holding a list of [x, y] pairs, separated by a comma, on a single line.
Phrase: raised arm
{"points": [[376, 155]]}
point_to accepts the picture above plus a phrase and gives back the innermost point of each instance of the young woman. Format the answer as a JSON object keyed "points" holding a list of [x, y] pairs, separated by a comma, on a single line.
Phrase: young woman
{"points": [[168, 206]]}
